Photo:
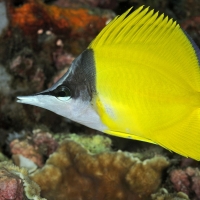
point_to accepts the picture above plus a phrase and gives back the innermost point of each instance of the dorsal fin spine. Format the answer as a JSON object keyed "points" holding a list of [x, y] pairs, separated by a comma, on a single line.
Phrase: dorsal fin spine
{"points": [[142, 16], [156, 23], [148, 30], [112, 25], [122, 27], [133, 18], [107, 28], [141, 28]]}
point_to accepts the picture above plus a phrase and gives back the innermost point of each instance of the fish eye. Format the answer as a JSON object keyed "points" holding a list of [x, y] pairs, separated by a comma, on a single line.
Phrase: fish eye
{"points": [[62, 93]]}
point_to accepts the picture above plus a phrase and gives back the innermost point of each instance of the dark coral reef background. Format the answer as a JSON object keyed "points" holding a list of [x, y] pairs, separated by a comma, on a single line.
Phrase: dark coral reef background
{"points": [[38, 41]]}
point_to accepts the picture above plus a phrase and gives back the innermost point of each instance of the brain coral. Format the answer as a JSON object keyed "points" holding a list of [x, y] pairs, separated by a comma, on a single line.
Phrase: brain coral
{"points": [[74, 173]]}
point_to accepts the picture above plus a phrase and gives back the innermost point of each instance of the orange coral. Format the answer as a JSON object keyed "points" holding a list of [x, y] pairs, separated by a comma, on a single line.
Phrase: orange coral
{"points": [[73, 173], [34, 15]]}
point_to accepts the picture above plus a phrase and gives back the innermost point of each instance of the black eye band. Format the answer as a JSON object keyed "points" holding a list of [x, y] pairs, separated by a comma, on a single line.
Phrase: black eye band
{"points": [[62, 93]]}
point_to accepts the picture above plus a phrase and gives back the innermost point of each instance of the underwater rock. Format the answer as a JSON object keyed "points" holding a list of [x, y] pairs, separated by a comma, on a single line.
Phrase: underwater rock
{"points": [[69, 22], [92, 143], [22, 161], [27, 150], [163, 194], [24, 71], [187, 181], [109, 4], [15, 184], [22, 66], [5, 81], [186, 162], [22, 63], [12, 114], [62, 58], [72, 172], [35, 147], [44, 142]]}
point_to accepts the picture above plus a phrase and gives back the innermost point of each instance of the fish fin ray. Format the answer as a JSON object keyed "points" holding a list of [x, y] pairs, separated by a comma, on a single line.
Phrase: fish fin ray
{"points": [[125, 28], [182, 138], [128, 136], [196, 48], [152, 37]]}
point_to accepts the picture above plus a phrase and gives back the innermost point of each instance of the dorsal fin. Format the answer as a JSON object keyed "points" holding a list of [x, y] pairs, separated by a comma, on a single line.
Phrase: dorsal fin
{"points": [[157, 35], [196, 48], [140, 26]]}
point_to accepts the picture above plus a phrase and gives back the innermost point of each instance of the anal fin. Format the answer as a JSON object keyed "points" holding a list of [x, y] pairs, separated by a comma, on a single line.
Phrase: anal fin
{"points": [[182, 138], [128, 136]]}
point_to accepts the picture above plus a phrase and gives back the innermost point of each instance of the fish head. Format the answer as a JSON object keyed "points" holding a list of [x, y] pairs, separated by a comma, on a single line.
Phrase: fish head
{"points": [[72, 95]]}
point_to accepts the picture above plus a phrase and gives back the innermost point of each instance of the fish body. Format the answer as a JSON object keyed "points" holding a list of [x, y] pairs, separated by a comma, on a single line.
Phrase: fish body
{"points": [[138, 79]]}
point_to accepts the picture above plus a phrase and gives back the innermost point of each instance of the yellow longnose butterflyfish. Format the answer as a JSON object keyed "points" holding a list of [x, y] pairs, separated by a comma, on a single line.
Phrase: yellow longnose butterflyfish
{"points": [[138, 79]]}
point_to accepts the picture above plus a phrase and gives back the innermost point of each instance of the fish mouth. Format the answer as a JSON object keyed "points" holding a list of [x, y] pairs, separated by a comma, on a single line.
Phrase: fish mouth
{"points": [[27, 99], [22, 99]]}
